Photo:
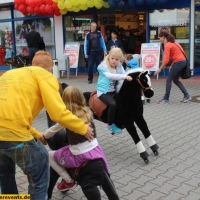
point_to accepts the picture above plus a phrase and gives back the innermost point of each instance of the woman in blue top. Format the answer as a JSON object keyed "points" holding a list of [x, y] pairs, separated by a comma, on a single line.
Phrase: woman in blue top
{"points": [[111, 70], [114, 42]]}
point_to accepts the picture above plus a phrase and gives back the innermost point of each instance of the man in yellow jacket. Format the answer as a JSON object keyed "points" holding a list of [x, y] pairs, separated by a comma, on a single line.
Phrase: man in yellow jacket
{"points": [[23, 94]]}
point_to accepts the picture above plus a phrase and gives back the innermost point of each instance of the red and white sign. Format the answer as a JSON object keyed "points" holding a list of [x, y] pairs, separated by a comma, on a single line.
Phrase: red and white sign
{"points": [[72, 50], [150, 53]]}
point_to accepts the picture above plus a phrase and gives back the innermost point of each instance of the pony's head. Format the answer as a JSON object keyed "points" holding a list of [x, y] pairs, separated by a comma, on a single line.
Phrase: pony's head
{"points": [[141, 81]]}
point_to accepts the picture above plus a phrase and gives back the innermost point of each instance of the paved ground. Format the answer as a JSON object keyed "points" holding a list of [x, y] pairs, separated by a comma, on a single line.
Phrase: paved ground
{"points": [[172, 175]]}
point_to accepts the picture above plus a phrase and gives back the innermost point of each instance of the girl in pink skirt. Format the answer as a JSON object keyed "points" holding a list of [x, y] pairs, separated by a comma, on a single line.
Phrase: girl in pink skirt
{"points": [[79, 150]]}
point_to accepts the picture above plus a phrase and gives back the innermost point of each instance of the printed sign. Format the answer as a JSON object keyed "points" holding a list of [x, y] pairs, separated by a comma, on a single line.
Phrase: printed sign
{"points": [[72, 50], [150, 53]]}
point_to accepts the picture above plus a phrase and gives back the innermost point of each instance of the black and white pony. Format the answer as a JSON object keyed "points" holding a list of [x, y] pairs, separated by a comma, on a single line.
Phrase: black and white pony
{"points": [[130, 109]]}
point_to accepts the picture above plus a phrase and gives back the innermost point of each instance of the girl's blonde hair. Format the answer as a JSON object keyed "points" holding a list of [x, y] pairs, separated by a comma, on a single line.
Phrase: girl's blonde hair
{"points": [[114, 50], [75, 102]]}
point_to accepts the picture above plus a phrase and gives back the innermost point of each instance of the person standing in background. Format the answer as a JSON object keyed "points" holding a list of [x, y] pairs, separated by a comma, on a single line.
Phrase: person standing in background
{"points": [[130, 43], [114, 42], [34, 41], [94, 45]]}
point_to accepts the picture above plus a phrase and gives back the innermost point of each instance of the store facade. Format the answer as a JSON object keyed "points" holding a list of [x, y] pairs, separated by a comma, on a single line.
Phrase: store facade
{"points": [[181, 18]]}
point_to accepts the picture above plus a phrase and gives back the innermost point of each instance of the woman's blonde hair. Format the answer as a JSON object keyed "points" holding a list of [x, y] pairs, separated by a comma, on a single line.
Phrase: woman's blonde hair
{"points": [[42, 59], [114, 50], [75, 102]]}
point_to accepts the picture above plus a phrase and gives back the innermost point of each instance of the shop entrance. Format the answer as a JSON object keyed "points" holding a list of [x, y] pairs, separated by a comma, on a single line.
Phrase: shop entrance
{"points": [[130, 29]]}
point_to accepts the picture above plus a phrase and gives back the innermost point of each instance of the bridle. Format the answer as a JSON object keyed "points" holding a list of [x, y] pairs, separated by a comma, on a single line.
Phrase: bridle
{"points": [[142, 87]]}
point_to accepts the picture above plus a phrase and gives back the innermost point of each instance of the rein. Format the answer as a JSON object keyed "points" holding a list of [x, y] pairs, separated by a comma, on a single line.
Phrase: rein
{"points": [[138, 79]]}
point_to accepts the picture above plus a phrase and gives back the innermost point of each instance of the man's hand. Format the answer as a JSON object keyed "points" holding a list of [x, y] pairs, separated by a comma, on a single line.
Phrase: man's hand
{"points": [[86, 56], [156, 72], [89, 134]]}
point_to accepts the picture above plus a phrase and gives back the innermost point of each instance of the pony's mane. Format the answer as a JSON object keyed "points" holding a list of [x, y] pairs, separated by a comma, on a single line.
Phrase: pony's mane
{"points": [[120, 83]]}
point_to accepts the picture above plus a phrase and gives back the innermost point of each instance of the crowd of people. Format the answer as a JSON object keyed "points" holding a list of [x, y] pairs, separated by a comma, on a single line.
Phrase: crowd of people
{"points": [[27, 90]]}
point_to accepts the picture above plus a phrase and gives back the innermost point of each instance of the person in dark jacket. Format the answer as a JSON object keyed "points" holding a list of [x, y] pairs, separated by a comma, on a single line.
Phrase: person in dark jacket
{"points": [[114, 42], [94, 45], [130, 43], [34, 41]]}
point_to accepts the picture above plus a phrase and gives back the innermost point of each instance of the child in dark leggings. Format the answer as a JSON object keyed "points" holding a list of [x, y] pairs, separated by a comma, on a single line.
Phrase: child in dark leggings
{"points": [[111, 70]]}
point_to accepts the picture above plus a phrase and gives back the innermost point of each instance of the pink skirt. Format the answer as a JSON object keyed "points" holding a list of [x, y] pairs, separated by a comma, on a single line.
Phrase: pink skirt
{"points": [[65, 158]]}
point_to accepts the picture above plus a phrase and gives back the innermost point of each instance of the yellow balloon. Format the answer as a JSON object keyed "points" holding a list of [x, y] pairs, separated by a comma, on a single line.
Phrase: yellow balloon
{"points": [[84, 7], [90, 3], [61, 5], [76, 8], [75, 3], [55, 1], [70, 9], [82, 2], [63, 11], [106, 5], [68, 4], [98, 4]]}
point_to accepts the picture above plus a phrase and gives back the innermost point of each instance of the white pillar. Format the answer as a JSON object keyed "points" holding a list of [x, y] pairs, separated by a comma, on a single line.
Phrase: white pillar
{"points": [[192, 24], [59, 43]]}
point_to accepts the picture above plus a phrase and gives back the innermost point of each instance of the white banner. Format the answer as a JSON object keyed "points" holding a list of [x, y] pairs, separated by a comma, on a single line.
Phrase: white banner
{"points": [[72, 50], [150, 53]]}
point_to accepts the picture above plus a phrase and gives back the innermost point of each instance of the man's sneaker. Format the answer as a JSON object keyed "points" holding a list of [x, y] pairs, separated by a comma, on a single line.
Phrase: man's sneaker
{"points": [[114, 129], [186, 99], [163, 101], [64, 186]]}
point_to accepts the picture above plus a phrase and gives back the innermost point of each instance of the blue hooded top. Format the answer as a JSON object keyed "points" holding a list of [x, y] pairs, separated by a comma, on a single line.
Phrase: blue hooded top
{"points": [[132, 64]]}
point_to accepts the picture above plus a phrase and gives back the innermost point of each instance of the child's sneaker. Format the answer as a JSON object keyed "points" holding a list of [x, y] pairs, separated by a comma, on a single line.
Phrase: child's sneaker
{"points": [[186, 99], [114, 129], [163, 101], [64, 186]]}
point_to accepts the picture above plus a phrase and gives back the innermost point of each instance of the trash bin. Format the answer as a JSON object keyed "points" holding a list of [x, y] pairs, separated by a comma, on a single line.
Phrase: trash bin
{"points": [[63, 64]]}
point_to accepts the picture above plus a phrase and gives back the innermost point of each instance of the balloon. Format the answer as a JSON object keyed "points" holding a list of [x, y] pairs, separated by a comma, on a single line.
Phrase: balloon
{"points": [[76, 8], [64, 11], [54, 6], [105, 4], [68, 4], [82, 2], [112, 3], [38, 2], [131, 2], [30, 3], [49, 2], [61, 5], [17, 2], [30, 10], [75, 3], [98, 4], [162, 1], [42, 9], [57, 13], [90, 3], [83, 7], [55, 1], [120, 4], [139, 2], [16, 7], [36, 9], [22, 8], [48, 9]]}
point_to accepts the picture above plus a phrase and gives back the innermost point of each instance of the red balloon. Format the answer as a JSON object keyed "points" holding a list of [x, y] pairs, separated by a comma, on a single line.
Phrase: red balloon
{"points": [[17, 2], [49, 1], [16, 7], [22, 8], [31, 3], [38, 2], [57, 12], [36, 9], [48, 9], [30, 10], [42, 9], [54, 6]]}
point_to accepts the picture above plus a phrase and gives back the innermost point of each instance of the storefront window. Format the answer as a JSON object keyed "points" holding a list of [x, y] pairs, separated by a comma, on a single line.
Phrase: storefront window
{"points": [[174, 21], [6, 42], [197, 39], [17, 14], [5, 13], [44, 26], [77, 27]]}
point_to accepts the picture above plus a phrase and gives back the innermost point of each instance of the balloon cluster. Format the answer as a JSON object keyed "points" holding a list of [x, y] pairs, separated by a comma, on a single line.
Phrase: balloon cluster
{"points": [[56, 7], [121, 3], [39, 7]]}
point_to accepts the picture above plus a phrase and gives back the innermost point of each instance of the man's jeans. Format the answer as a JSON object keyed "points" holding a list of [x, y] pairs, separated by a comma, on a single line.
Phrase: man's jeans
{"points": [[32, 158], [174, 75]]}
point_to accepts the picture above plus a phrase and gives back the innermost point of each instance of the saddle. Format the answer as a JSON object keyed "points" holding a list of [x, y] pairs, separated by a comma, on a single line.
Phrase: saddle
{"points": [[96, 105]]}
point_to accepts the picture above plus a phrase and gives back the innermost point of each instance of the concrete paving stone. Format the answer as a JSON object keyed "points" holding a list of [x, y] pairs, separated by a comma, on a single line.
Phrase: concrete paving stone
{"points": [[171, 173], [192, 195], [155, 195], [193, 181], [135, 195], [177, 181], [173, 196], [154, 173], [180, 167], [188, 174], [148, 187], [142, 180], [174, 162], [184, 189], [166, 188]]}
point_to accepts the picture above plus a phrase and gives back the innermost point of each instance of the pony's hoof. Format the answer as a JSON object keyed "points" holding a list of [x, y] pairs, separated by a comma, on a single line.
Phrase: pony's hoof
{"points": [[146, 160], [156, 153], [148, 100]]}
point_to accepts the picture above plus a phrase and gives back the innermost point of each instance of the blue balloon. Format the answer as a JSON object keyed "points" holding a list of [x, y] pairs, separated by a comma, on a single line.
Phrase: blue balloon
{"points": [[151, 1], [139, 2], [112, 3], [162, 1], [121, 4], [131, 2], [116, 1]]}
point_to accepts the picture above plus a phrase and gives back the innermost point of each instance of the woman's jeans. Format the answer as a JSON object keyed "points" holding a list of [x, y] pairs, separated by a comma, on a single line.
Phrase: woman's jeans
{"points": [[174, 75], [32, 158]]}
